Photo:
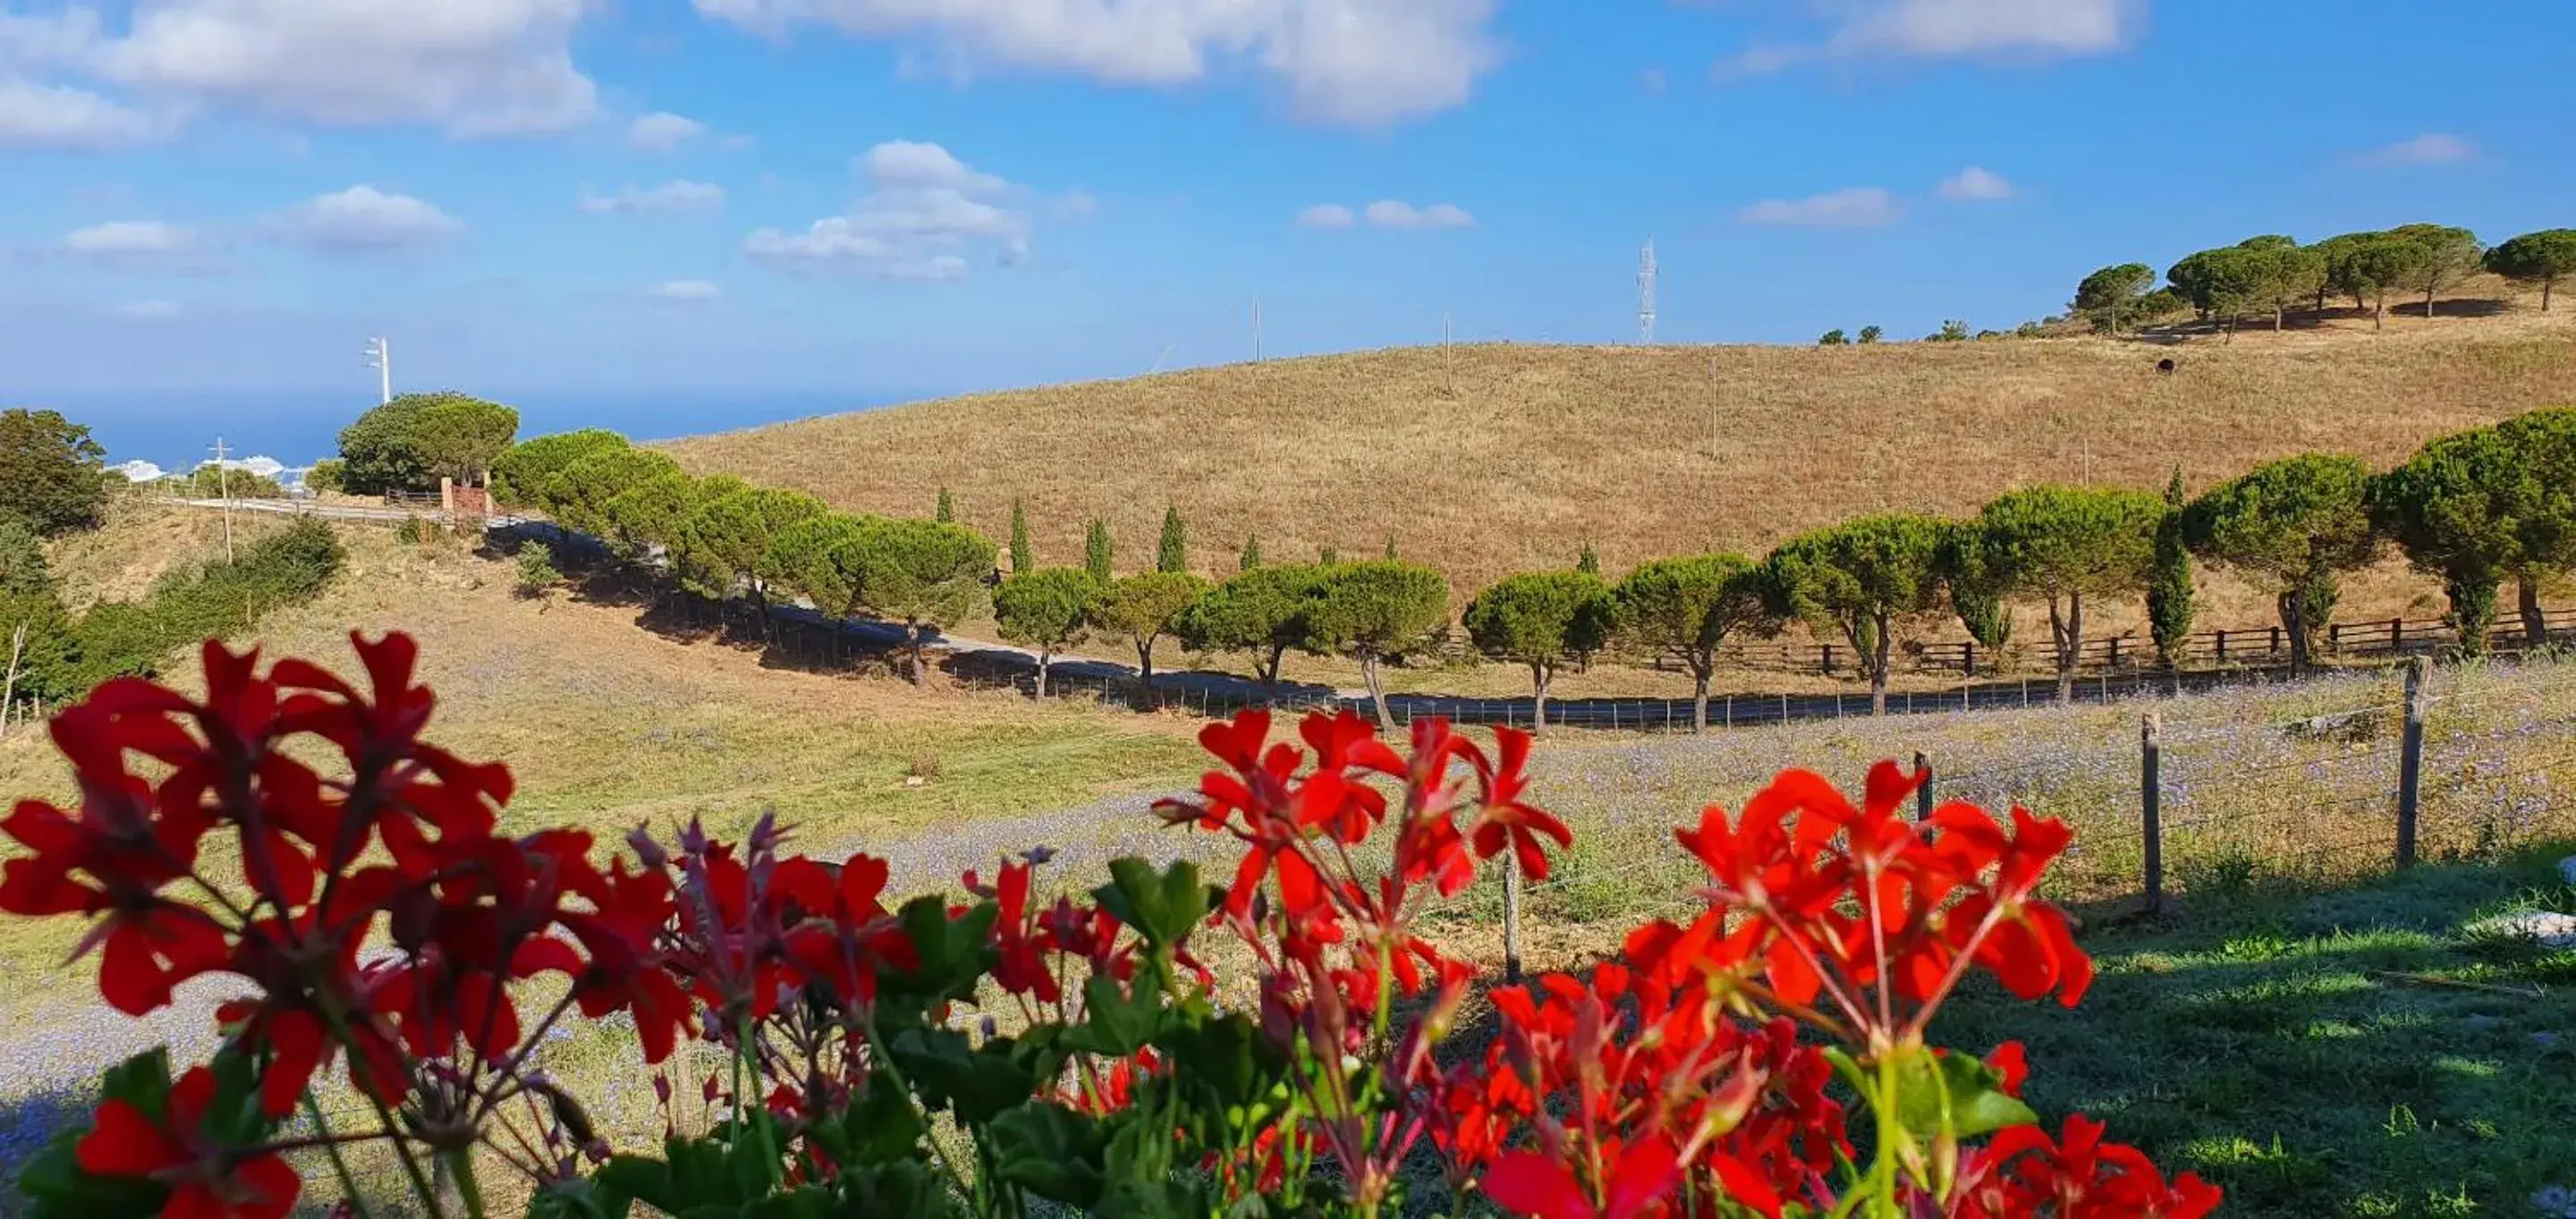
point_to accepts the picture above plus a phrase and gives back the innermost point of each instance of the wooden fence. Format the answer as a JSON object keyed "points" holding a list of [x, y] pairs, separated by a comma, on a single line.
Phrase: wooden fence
{"points": [[2231, 647]]}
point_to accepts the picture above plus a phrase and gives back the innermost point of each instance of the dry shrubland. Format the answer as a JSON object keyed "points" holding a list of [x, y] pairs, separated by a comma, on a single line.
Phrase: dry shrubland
{"points": [[1483, 460]]}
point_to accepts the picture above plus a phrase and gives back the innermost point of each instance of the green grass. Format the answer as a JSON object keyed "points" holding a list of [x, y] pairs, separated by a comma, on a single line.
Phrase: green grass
{"points": [[2270, 1045]]}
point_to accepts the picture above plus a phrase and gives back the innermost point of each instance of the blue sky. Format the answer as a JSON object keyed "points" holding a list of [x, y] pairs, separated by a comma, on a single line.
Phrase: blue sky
{"points": [[884, 197]]}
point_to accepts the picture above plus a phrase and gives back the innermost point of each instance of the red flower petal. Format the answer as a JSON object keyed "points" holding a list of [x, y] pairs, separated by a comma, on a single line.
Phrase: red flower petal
{"points": [[124, 1143]]}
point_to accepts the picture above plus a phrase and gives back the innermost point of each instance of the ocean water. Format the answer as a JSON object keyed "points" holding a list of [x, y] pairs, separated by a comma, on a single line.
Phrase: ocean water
{"points": [[177, 429]]}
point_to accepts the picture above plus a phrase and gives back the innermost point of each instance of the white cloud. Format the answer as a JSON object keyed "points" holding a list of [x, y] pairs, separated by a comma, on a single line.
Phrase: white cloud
{"points": [[1951, 29], [471, 67], [143, 245], [1358, 62], [1857, 207], [899, 164], [67, 119], [1327, 216], [1975, 184], [148, 311], [926, 206], [663, 131], [1393, 214], [364, 220], [677, 195], [139, 471], [684, 292], [2430, 148]]}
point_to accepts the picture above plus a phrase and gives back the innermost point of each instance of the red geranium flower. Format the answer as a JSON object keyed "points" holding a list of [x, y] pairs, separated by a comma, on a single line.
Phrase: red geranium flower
{"points": [[206, 1180]]}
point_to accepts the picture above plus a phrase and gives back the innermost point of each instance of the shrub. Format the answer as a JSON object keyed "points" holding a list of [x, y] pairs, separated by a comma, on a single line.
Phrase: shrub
{"points": [[215, 482], [536, 571], [1675, 1080], [328, 476], [218, 600]]}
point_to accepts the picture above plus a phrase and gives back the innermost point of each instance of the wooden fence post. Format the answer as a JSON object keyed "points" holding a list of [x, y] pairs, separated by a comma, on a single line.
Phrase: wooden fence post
{"points": [[2151, 749], [2222, 647], [1923, 794], [1511, 921], [2397, 634], [2410, 762]]}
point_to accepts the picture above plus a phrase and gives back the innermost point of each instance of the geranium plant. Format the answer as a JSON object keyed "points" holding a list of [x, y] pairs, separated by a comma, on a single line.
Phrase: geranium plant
{"points": [[999, 1050]]}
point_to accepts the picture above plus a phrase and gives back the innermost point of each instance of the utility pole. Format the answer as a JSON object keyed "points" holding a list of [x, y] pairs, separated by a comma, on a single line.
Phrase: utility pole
{"points": [[1646, 295], [1256, 330], [1448, 364], [380, 356], [224, 482]]}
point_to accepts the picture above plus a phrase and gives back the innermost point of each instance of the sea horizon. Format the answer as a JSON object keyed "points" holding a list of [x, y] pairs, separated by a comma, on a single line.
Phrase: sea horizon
{"points": [[176, 429]]}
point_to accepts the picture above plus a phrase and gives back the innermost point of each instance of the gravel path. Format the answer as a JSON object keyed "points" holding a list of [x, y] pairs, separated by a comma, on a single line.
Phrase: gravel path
{"points": [[64, 1038]]}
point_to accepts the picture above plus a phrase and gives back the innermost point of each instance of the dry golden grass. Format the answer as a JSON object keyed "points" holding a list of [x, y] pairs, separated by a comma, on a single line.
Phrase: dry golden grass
{"points": [[1483, 460], [607, 723], [143, 540]]}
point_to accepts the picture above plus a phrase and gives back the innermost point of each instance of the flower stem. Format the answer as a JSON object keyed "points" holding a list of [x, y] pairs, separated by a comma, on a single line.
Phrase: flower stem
{"points": [[460, 1162], [339, 1166]]}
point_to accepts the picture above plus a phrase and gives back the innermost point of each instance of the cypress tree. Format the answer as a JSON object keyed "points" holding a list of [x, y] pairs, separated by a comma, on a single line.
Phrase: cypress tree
{"points": [[1328, 556], [1023, 558], [947, 511], [1589, 562], [1173, 552], [1390, 545], [1251, 552], [1095, 550], [2169, 590]]}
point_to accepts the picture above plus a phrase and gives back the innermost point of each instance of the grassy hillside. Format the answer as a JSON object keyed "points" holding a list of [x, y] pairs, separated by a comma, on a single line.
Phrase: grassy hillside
{"points": [[1487, 459], [607, 722]]}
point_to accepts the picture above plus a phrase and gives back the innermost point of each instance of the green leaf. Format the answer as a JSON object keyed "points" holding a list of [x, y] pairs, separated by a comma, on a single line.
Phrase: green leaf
{"points": [[1050, 1151], [881, 1126], [1116, 1022], [1954, 1094], [1223, 1057], [632, 1178], [1141, 1149], [905, 1188], [142, 1081], [954, 952], [753, 1160], [1165, 1199], [975, 1084], [578, 1199], [1164, 907]]}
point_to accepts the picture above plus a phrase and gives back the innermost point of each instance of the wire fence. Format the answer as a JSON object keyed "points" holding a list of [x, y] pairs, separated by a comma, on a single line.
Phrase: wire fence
{"points": [[2303, 786]]}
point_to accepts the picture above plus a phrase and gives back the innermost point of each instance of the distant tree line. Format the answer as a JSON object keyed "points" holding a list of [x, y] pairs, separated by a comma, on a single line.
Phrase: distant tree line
{"points": [[2475, 510], [2273, 274]]}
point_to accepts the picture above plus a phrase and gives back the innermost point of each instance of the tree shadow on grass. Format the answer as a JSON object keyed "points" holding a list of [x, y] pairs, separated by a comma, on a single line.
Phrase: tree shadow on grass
{"points": [[2357, 1050]]}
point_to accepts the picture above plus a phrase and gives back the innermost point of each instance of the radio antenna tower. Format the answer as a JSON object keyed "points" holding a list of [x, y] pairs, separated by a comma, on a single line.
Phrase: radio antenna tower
{"points": [[380, 356], [1646, 295]]}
